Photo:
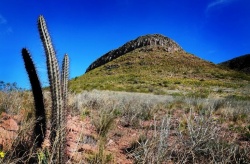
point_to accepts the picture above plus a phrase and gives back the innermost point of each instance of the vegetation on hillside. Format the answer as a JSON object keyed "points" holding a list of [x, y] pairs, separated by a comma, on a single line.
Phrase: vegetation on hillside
{"points": [[152, 69], [241, 63]]}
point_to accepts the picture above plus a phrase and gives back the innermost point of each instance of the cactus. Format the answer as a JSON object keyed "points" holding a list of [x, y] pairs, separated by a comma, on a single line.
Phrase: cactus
{"points": [[54, 76], [64, 81], [58, 92], [40, 126], [65, 76], [59, 96]]}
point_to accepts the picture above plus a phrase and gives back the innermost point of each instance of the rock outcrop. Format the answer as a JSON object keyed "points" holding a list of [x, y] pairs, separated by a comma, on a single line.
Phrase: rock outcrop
{"points": [[8, 130], [147, 40]]}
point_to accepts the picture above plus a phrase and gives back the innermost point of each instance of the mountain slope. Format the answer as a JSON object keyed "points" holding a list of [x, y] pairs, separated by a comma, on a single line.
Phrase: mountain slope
{"points": [[153, 68], [241, 63], [142, 41]]}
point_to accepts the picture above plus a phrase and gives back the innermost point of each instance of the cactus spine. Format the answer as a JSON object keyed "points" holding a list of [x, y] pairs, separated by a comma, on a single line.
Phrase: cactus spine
{"points": [[58, 92], [40, 126]]}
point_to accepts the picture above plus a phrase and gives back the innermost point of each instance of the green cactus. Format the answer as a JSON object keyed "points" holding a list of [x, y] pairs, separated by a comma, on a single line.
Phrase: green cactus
{"points": [[40, 126], [59, 97], [54, 76], [58, 88], [65, 77], [64, 81]]}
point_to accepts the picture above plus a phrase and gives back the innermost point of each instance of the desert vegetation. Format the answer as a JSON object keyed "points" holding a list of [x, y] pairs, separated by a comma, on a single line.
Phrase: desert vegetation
{"points": [[147, 128], [31, 144], [151, 69]]}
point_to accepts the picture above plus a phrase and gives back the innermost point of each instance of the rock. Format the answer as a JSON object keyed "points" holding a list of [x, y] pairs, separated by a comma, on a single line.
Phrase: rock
{"points": [[143, 41], [110, 142], [6, 138], [8, 130], [87, 149], [4, 116], [9, 125]]}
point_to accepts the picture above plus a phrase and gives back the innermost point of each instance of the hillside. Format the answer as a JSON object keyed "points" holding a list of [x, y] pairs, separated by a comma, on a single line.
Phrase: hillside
{"points": [[142, 41], [241, 63], [156, 68]]}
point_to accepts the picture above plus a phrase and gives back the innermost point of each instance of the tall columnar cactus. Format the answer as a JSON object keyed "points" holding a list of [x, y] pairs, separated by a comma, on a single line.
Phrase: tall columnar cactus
{"points": [[64, 81], [59, 96], [54, 76], [58, 92], [40, 126], [65, 77]]}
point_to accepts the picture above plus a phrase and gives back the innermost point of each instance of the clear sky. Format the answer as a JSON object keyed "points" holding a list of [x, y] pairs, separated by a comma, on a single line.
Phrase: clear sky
{"points": [[214, 30]]}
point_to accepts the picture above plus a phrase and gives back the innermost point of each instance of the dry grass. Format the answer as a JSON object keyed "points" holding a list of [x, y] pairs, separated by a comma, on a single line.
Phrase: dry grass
{"points": [[171, 129], [13, 99], [194, 138], [200, 134]]}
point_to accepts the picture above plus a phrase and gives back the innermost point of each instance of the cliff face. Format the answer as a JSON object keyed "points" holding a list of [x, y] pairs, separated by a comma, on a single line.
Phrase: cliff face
{"points": [[147, 40]]}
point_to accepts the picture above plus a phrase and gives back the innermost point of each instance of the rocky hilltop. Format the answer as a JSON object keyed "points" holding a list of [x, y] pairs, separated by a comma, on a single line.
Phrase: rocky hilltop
{"points": [[241, 63], [147, 40], [155, 64]]}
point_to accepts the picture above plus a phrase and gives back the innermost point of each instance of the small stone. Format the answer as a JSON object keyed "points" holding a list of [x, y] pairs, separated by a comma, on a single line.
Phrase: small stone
{"points": [[9, 124]]}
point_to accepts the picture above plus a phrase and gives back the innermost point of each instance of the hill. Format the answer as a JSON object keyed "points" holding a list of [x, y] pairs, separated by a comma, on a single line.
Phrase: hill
{"points": [[241, 63], [142, 41], [155, 68]]}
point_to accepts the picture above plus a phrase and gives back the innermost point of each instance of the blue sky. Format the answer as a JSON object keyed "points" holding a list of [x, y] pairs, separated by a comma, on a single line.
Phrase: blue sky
{"points": [[215, 30]]}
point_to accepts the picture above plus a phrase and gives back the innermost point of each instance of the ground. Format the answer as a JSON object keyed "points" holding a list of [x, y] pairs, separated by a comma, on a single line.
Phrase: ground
{"points": [[146, 128]]}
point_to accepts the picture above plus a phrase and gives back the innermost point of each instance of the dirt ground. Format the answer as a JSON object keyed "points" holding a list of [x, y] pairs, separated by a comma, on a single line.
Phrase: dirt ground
{"points": [[83, 140]]}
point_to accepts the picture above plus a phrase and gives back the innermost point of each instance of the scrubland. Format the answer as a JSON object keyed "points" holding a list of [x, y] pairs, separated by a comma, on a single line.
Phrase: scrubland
{"points": [[126, 127]]}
